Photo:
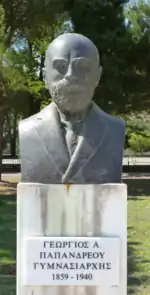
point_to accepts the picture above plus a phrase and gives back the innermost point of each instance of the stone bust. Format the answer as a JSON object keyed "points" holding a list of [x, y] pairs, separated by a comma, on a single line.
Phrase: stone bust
{"points": [[71, 140]]}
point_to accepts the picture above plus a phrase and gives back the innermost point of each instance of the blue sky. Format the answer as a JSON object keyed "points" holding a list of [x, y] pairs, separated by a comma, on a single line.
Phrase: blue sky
{"points": [[132, 2]]}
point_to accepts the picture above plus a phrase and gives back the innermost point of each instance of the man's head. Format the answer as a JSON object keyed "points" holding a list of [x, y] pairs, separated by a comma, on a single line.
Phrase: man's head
{"points": [[72, 72]]}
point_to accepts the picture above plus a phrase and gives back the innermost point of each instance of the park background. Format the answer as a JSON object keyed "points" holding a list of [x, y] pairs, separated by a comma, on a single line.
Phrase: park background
{"points": [[121, 31]]}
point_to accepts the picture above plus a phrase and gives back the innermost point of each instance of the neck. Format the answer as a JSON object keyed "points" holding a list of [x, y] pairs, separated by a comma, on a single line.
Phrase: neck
{"points": [[75, 117]]}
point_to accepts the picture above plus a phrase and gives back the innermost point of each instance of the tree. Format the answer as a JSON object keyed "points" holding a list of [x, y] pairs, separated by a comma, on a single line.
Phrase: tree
{"points": [[11, 80], [24, 17], [124, 78], [139, 144], [139, 57], [103, 23], [27, 36], [30, 26], [138, 132]]}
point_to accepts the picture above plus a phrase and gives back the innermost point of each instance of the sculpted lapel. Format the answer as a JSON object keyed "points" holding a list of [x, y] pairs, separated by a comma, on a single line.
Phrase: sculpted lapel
{"points": [[89, 143], [51, 137]]}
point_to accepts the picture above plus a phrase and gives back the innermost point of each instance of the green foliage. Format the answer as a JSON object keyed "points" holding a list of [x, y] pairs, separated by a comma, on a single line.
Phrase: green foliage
{"points": [[124, 86], [34, 85], [26, 18], [7, 77], [138, 132], [103, 23], [2, 13], [45, 102], [139, 57], [26, 29], [138, 143], [139, 123], [23, 60], [11, 82], [124, 51]]}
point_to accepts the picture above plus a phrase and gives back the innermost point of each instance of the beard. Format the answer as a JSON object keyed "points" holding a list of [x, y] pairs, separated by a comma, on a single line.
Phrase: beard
{"points": [[71, 98]]}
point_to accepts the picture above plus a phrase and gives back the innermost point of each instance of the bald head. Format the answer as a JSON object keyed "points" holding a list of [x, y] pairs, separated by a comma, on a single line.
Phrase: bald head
{"points": [[73, 45], [72, 71]]}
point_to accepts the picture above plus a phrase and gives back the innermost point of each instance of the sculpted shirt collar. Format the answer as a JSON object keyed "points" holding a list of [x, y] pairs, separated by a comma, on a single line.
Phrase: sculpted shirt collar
{"points": [[74, 122]]}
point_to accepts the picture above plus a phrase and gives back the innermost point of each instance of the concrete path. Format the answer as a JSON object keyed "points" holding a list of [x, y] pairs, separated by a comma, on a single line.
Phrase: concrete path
{"points": [[15, 177], [11, 177], [126, 161]]}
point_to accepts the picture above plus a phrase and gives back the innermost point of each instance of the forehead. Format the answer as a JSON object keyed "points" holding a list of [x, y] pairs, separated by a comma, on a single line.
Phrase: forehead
{"points": [[71, 49]]}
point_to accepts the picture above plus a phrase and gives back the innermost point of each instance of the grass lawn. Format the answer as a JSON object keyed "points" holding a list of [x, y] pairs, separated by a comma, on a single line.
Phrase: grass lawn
{"points": [[138, 246], [7, 245]]}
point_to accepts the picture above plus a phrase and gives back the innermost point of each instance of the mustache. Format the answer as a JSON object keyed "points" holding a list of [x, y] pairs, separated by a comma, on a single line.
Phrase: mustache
{"points": [[67, 87]]}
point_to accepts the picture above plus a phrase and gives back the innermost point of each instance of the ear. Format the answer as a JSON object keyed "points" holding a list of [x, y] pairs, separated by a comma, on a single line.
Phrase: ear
{"points": [[98, 75]]}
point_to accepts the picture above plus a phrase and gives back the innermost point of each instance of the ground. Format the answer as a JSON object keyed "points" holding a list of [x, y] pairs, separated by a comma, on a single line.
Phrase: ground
{"points": [[138, 236], [139, 245]]}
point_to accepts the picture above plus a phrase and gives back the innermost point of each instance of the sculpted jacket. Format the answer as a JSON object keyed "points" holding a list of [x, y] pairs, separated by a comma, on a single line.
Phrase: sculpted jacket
{"points": [[97, 158]]}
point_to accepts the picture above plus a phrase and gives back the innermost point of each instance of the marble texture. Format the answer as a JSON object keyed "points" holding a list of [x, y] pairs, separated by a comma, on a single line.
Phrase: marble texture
{"points": [[72, 210], [101, 262]]}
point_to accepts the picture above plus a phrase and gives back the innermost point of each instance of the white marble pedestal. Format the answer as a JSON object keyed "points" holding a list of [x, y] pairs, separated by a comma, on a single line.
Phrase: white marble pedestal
{"points": [[72, 211]]}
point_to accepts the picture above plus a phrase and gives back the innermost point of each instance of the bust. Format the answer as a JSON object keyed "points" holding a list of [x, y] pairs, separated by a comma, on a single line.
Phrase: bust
{"points": [[72, 140]]}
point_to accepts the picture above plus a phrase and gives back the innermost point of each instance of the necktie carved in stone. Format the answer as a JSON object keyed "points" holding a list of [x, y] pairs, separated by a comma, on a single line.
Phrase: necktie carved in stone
{"points": [[72, 132], [71, 140]]}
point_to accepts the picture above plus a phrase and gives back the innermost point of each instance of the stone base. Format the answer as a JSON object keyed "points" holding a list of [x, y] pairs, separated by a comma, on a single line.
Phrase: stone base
{"points": [[75, 210]]}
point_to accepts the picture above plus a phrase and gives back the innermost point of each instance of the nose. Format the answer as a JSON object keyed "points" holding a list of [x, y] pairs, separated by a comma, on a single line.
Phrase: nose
{"points": [[70, 75]]}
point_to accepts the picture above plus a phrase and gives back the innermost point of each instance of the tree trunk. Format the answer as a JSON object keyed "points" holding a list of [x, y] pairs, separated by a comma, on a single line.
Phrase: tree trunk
{"points": [[12, 131], [9, 130], [34, 104], [1, 142], [14, 136], [41, 67]]}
